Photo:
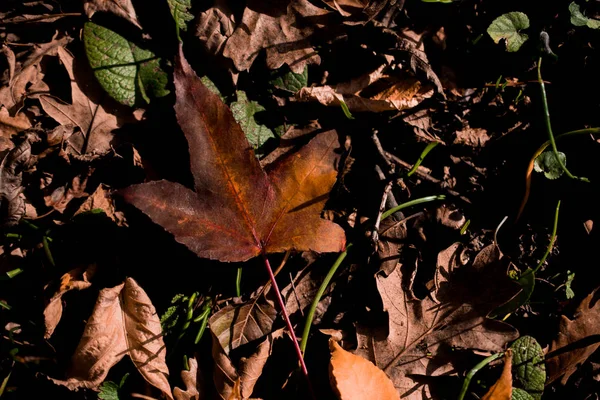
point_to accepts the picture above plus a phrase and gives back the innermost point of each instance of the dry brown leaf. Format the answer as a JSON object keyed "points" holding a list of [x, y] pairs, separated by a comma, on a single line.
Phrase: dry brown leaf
{"points": [[190, 379], [376, 91], [60, 197], [88, 111], [281, 28], [419, 331], [124, 321], [354, 378], [76, 279], [502, 389], [215, 26], [238, 383], [12, 125], [101, 200], [122, 8], [572, 333], [474, 137]]}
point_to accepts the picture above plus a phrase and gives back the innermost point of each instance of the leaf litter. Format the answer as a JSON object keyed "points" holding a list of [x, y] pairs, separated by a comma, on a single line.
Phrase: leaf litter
{"points": [[267, 166]]}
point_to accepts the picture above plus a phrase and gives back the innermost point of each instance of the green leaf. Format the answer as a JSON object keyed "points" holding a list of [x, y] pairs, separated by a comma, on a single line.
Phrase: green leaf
{"points": [[527, 283], [549, 165], [569, 293], [507, 26], [110, 390], [290, 81], [210, 85], [127, 72], [243, 111], [169, 319], [520, 394], [579, 19], [180, 13], [529, 369]]}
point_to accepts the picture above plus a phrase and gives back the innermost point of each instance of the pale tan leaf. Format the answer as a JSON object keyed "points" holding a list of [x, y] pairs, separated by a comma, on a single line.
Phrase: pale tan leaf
{"points": [[76, 279], [190, 379], [282, 28], [572, 333], [12, 125], [88, 110], [100, 200], [354, 378], [124, 321], [474, 137], [502, 389], [215, 26], [122, 8]]}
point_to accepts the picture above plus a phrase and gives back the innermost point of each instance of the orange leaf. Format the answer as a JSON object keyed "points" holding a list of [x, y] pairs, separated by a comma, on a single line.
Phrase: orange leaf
{"points": [[354, 378], [502, 389], [237, 210]]}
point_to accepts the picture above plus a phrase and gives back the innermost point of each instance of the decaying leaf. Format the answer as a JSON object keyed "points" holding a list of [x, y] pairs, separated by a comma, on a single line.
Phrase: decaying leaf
{"points": [[215, 26], [474, 137], [419, 332], [238, 383], [354, 378], [12, 125], [190, 379], [60, 197], [124, 321], [76, 279], [238, 211], [572, 333], [502, 389], [282, 29], [122, 8], [238, 324], [100, 200], [88, 111], [376, 91]]}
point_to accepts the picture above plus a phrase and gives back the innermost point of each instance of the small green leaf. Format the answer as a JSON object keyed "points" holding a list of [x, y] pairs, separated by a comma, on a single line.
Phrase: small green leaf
{"points": [[527, 283], [528, 366], [243, 111], [579, 19], [520, 394], [109, 391], [180, 13], [290, 81], [507, 26], [549, 165], [346, 110], [127, 72], [169, 319], [210, 85], [569, 293]]}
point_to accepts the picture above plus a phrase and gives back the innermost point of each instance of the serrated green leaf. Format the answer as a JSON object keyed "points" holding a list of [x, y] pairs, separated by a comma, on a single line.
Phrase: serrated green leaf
{"points": [[127, 72], [180, 12], [529, 370], [508, 26], [290, 81], [169, 319], [210, 85], [579, 19], [520, 394], [569, 293], [549, 165], [243, 111], [109, 391]]}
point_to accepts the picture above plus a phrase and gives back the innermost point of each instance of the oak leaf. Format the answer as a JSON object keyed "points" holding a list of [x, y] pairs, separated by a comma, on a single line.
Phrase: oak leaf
{"points": [[502, 389], [122, 8], [237, 210], [190, 379], [124, 321], [354, 378]]}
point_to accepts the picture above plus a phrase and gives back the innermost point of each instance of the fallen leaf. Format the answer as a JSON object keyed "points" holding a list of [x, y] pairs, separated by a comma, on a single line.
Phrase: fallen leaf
{"points": [[237, 210], [474, 137], [215, 26], [88, 111], [418, 332], [376, 91], [572, 333], [190, 380], [238, 324], [282, 29], [124, 321], [100, 200], [76, 279], [60, 197], [502, 389], [122, 8], [237, 383], [12, 125], [354, 378]]}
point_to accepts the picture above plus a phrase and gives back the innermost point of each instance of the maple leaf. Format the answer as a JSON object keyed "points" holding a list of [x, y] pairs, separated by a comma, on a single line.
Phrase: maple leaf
{"points": [[237, 210]]}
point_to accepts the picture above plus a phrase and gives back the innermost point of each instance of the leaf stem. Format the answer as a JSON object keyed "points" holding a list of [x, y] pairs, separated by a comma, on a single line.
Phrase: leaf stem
{"points": [[238, 282], [474, 370], [549, 125], [552, 239], [411, 203], [313, 307], [426, 151], [288, 323]]}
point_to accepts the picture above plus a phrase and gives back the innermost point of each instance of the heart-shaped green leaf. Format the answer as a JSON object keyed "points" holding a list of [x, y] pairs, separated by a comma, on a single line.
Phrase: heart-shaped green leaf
{"points": [[508, 27], [549, 165]]}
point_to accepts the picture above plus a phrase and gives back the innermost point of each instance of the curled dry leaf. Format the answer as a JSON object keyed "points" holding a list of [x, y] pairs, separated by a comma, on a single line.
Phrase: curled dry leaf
{"points": [[190, 379], [12, 125], [124, 321], [237, 210], [238, 383], [354, 378], [376, 91], [419, 331], [571, 340], [89, 111], [100, 200], [238, 324], [215, 26], [502, 389], [122, 8], [281, 28], [76, 279]]}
